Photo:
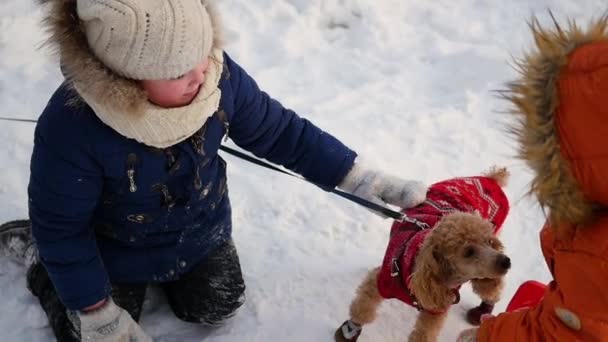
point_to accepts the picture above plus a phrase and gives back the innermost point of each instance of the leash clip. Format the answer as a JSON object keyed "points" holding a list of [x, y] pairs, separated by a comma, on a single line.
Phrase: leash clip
{"points": [[420, 224]]}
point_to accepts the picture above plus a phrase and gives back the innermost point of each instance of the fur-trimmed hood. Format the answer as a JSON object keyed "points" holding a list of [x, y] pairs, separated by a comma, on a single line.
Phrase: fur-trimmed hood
{"points": [[80, 66], [561, 104]]}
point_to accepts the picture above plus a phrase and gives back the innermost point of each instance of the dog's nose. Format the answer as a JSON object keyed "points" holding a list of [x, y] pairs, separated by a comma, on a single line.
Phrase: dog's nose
{"points": [[503, 262]]}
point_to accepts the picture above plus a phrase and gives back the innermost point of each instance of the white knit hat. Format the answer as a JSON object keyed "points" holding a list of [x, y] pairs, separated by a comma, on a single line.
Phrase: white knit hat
{"points": [[147, 39]]}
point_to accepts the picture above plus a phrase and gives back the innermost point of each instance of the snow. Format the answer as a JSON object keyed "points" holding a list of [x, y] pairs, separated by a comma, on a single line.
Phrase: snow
{"points": [[408, 84]]}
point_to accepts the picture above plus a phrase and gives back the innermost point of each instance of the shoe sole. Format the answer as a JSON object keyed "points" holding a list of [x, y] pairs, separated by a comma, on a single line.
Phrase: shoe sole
{"points": [[15, 226]]}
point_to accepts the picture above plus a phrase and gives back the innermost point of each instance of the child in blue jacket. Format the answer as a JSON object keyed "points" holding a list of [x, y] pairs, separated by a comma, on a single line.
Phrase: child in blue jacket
{"points": [[126, 184]]}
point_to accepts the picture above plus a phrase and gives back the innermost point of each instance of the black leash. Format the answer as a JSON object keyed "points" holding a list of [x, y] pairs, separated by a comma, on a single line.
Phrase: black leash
{"points": [[361, 201], [18, 120]]}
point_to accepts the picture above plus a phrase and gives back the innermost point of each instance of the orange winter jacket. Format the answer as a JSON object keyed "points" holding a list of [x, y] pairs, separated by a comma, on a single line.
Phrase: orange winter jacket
{"points": [[562, 128], [575, 308]]}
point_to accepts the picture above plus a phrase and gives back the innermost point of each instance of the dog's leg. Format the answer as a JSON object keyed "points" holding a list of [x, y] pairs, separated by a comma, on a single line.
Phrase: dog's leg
{"points": [[427, 327], [489, 290], [362, 309], [365, 305]]}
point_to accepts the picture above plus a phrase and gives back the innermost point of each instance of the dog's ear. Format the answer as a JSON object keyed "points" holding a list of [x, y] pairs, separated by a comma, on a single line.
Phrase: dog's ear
{"points": [[429, 280], [446, 271], [497, 244]]}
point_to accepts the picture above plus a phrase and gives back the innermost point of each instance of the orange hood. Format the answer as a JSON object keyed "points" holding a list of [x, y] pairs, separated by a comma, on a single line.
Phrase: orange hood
{"points": [[561, 102]]}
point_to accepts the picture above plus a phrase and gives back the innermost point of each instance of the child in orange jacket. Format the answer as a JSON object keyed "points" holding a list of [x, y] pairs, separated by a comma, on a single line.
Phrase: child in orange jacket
{"points": [[561, 104]]}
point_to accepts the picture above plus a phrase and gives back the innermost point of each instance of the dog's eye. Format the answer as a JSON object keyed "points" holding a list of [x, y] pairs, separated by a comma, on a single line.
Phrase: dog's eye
{"points": [[469, 252]]}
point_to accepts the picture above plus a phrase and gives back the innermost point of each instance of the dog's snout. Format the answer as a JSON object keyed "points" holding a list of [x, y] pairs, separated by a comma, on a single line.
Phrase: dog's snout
{"points": [[503, 262]]}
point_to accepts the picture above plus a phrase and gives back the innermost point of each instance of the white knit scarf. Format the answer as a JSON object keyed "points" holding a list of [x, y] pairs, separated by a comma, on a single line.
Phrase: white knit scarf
{"points": [[163, 127]]}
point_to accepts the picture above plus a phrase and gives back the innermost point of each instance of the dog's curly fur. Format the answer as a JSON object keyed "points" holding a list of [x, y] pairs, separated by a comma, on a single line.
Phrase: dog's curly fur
{"points": [[443, 258], [462, 247]]}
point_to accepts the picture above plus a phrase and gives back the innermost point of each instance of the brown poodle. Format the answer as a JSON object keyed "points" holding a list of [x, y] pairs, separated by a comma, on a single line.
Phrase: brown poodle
{"points": [[448, 240]]}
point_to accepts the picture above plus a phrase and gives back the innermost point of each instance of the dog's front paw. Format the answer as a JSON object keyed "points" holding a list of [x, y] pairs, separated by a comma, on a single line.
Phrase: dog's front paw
{"points": [[474, 316]]}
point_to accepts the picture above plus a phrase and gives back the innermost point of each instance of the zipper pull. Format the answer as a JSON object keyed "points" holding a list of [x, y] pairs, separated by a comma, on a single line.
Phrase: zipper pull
{"points": [[221, 115], [131, 163], [132, 185], [227, 127]]}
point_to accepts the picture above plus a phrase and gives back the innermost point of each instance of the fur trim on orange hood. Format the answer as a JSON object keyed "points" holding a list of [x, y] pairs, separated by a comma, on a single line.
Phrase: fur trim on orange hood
{"points": [[79, 64], [555, 100]]}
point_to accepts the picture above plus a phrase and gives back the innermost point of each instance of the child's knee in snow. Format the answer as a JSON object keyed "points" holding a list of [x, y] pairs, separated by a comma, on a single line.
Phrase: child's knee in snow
{"points": [[213, 313]]}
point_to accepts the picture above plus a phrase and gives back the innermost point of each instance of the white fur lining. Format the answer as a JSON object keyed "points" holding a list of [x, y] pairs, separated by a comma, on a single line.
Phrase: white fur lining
{"points": [[163, 127]]}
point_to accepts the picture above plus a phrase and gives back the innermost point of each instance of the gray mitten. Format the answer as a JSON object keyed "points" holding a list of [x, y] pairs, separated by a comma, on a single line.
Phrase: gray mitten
{"points": [[110, 323], [380, 188]]}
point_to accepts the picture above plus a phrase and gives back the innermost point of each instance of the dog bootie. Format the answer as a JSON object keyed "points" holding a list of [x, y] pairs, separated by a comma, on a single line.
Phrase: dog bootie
{"points": [[349, 331], [474, 315], [17, 243]]}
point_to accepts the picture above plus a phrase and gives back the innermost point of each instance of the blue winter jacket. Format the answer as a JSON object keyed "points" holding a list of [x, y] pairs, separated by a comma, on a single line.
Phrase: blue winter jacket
{"points": [[105, 208]]}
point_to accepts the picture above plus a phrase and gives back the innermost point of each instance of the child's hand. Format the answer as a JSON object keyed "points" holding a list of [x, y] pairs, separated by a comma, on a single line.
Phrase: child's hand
{"points": [[469, 335], [382, 189], [486, 316]]}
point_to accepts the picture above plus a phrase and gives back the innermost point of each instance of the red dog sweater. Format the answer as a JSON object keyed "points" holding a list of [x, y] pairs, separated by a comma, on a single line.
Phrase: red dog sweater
{"points": [[481, 194]]}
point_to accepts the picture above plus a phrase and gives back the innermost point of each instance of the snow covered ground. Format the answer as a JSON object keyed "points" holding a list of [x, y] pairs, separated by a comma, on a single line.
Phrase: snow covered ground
{"points": [[408, 84]]}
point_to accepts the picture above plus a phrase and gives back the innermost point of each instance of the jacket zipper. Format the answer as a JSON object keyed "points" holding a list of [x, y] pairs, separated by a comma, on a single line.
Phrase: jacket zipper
{"points": [[131, 163]]}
